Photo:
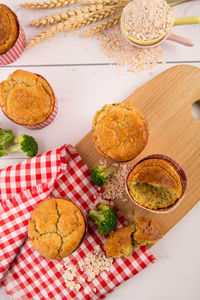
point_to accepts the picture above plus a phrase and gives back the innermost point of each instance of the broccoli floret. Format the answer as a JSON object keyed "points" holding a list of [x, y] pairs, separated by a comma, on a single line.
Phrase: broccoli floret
{"points": [[2, 151], [5, 137], [105, 218], [100, 174], [24, 143]]}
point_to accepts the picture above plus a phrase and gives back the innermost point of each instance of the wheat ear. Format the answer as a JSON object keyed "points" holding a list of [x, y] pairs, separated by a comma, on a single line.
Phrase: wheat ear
{"points": [[65, 15], [104, 2], [72, 24], [49, 4], [102, 26]]}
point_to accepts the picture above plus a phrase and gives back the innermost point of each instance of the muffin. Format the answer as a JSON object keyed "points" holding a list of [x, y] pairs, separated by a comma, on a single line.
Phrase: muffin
{"points": [[155, 184], [120, 132], [9, 29], [146, 232], [119, 243], [56, 228], [27, 99]]}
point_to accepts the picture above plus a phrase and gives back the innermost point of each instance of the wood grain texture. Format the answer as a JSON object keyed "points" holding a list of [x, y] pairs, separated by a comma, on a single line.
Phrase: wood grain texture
{"points": [[166, 102]]}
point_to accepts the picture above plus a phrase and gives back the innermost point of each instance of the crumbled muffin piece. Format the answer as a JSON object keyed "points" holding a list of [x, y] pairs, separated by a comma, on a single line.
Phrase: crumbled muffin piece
{"points": [[146, 232], [119, 243]]}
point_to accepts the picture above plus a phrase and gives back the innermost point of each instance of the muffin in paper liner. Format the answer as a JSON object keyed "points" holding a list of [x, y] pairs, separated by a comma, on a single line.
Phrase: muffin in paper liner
{"points": [[183, 178], [16, 51], [47, 121], [27, 99]]}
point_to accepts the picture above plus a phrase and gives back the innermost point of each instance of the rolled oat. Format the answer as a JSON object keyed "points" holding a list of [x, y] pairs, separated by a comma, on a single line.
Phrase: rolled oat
{"points": [[147, 19]]}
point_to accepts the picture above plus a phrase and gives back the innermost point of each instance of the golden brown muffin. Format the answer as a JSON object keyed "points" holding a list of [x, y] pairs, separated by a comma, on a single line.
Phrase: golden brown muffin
{"points": [[26, 98], [9, 29], [154, 184], [56, 228], [119, 243], [120, 132], [146, 232]]}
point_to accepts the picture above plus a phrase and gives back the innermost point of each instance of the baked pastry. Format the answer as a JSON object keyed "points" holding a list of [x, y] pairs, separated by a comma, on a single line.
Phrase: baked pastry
{"points": [[56, 228], [120, 132], [26, 98], [155, 184], [9, 29], [119, 243], [146, 232]]}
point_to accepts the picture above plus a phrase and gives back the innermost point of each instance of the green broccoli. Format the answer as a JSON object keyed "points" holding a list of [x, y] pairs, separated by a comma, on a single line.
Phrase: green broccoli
{"points": [[2, 151], [105, 218], [100, 174], [24, 143], [5, 137]]}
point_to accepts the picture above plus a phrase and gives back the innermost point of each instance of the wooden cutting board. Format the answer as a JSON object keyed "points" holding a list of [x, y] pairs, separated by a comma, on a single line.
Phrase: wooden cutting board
{"points": [[166, 102]]}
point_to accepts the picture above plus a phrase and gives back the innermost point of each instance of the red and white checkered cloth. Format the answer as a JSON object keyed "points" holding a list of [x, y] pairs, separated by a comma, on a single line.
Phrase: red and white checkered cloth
{"points": [[16, 51], [24, 273]]}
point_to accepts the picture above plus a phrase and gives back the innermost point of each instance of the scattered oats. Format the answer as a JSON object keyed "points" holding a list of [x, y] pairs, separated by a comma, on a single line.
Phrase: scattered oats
{"points": [[117, 47], [115, 184], [94, 290], [102, 162], [94, 73], [163, 62], [99, 200], [96, 263], [69, 275], [95, 197], [115, 165], [150, 73], [147, 19], [72, 285]]}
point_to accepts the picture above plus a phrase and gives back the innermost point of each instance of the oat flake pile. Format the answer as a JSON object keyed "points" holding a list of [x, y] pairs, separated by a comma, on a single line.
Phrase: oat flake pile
{"points": [[116, 47]]}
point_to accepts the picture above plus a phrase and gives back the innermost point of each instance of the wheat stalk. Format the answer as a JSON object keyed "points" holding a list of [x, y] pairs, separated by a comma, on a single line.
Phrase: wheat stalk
{"points": [[102, 26], [49, 4], [104, 2], [65, 15], [73, 23]]}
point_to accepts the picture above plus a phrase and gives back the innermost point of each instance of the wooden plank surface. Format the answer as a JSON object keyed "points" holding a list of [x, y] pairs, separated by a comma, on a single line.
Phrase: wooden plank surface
{"points": [[166, 102]]}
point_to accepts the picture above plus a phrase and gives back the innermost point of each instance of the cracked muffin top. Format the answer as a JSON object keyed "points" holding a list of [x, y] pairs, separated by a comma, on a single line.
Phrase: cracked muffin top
{"points": [[26, 98], [154, 184], [9, 29], [56, 228], [120, 132]]}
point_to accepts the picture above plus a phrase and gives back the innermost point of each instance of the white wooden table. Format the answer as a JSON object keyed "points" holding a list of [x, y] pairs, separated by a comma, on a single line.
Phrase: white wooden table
{"points": [[84, 80]]}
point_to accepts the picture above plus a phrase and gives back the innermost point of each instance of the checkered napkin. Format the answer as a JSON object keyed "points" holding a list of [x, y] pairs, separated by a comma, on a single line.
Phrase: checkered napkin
{"points": [[23, 272]]}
